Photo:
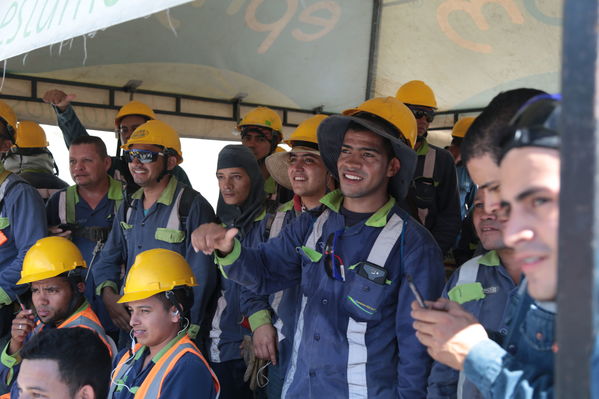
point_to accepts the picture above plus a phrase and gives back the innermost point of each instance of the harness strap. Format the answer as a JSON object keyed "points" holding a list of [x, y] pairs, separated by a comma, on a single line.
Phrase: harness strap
{"points": [[427, 171]]}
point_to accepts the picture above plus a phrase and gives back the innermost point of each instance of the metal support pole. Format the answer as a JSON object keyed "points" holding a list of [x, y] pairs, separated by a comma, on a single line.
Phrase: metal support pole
{"points": [[373, 51], [579, 228]]}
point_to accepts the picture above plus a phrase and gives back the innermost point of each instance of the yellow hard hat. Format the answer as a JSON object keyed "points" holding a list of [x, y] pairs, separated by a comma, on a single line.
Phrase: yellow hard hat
{"points": [[9, 116], [30, 135], [262, 116], [50, 257], [158, 133], [280, 149], [461, 126], [133, 108], [155, 271], [306, 131], [416, 92], [393, 111]]}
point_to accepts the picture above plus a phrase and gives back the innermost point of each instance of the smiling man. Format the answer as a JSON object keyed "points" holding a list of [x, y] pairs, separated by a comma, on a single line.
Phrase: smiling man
{"points": [[521, 364], [55, 270], [353, 336], [483, 286], [161, 214]]}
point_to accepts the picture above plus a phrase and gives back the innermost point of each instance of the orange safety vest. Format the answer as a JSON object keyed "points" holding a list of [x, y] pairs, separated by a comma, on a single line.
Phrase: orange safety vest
{"points": [[85, 318], [151, 387]]}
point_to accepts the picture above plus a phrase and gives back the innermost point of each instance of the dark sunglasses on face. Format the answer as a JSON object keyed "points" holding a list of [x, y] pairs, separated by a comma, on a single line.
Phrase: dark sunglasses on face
{"points": [[143, 156], [419, 113]]}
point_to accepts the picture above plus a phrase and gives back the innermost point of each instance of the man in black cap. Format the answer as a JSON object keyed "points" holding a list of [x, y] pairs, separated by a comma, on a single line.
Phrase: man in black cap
{"points": [[521, 365]]}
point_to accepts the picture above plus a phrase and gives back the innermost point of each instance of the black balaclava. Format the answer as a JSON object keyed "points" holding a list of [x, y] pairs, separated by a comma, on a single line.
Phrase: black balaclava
{"points": [[241, 216]]}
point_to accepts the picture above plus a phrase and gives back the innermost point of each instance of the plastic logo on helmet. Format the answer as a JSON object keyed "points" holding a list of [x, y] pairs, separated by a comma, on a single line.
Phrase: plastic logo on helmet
{"points": [[139, 133]]}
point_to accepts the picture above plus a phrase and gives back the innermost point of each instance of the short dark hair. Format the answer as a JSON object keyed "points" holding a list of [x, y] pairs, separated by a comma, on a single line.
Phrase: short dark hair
{"points": [[82, 357], [183, 295], [94, 140], [482, 134]]}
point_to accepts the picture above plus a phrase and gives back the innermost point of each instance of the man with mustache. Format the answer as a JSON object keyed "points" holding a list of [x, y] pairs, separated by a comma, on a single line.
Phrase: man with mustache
{"points": [[161, 214], [55, 271], [483, 286], [85, 211]]}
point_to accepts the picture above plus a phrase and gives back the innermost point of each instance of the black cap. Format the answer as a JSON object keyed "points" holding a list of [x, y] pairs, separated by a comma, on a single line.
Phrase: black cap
{"points": [[535, 125]]}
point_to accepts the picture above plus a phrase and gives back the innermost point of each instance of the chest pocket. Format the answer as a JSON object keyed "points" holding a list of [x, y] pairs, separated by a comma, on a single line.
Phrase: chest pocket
{"points": [[363, 297], [171, 236]]}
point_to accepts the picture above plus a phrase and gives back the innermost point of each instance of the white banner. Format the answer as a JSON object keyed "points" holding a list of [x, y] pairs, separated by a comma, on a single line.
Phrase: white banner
{"points": [[29, 24]]}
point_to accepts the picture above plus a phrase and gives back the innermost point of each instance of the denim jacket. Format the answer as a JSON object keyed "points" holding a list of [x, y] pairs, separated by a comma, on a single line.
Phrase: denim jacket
{"points": [[522, 367]]}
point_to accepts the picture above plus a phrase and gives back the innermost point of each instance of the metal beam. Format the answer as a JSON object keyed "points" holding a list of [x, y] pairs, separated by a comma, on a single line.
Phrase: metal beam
{"points": [[176, 111], [578, 271], [373, 50]]}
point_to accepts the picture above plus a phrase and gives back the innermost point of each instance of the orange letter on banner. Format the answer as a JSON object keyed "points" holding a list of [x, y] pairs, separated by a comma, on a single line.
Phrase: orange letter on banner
{"points": [[327, 24], [474, 9], [275, 28]]}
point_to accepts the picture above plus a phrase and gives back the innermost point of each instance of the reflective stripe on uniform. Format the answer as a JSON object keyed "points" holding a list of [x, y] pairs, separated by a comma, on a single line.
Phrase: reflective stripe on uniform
{"points": [[152, 385], [277, 224], [356, 331], [310, 243], [427, 171], [215, 331]]}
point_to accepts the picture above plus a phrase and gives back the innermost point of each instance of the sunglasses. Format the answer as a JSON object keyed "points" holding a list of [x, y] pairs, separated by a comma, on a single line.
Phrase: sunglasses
{"points": [[419, 113], [333, 263], [143, 156]]}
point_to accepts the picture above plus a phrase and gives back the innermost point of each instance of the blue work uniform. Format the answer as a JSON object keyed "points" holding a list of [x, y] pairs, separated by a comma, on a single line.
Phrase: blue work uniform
{"points": [[522, 366], [22, 223], [66, 206], [71, 128], [185, 376], [354, 338], [282, 307], [486, 295], [434, 192], [136, 230]]}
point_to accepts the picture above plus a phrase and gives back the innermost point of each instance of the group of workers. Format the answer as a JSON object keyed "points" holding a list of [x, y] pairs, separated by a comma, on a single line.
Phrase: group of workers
{"points": [[304, 282]]}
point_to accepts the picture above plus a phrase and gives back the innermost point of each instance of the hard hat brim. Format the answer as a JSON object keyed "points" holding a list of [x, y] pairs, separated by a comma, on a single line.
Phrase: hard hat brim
{"points": [[277, 165], [39, 277], [331, 132]]}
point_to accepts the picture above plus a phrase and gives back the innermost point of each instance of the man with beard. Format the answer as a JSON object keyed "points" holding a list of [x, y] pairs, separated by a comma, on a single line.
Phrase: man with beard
{"points": [[55, 270], [161, 214], [129, 117]]}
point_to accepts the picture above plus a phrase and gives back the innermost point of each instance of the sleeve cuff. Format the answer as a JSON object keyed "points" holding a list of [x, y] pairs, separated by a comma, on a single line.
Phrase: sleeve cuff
{"points": [[4, 297], [259, 319], [484, 363], [64, 115], [231, 257], [9, 362], [111, 284]]}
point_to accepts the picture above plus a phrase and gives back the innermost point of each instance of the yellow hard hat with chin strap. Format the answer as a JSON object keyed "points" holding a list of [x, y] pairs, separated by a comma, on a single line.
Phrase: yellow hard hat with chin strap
{"points": [[133, 108], [10, 118], [392, 111], [50, 257], [155, 271], [461, 127], [30, 135], [263, 117], [156, 132], [416, 92]]}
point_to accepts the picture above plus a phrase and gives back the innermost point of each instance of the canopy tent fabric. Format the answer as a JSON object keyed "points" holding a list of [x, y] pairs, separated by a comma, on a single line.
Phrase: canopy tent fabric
{"points": [[204, 63]]}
